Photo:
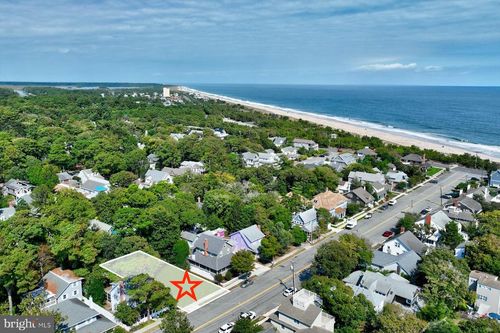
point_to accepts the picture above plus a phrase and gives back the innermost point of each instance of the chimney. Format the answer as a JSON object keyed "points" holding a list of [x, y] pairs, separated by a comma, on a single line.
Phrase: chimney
{"points": [[428, 219], [402, 230], [455, 202], [205, 245]]}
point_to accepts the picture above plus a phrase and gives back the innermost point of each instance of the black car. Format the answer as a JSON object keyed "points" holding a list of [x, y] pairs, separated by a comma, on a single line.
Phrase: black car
{"points": [[247, 283]]}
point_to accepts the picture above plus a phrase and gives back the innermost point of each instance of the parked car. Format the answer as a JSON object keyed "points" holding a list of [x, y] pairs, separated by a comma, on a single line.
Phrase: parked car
{"points": [[248, 314], [226, 328], [434, 181], [392, 202], [385, 206], [426, 211], [289, 291], [351, 223], [368, 216], [388, 234], [447, 196], [247, 283]]}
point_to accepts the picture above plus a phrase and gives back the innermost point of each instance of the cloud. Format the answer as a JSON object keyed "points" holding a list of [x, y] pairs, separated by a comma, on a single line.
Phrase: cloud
{"points": [[387, 67], [432, 68]]}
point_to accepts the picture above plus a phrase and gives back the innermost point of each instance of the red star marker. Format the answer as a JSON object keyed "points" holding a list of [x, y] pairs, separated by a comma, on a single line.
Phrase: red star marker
{"points": [[184, 284]]}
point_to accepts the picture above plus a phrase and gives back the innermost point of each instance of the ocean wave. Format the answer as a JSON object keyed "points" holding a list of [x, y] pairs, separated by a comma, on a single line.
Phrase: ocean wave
{"points": [[436, 138]]}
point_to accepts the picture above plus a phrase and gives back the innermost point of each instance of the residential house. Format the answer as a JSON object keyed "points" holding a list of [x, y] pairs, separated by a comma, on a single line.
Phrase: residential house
{"points": [[189, 237], [391, 167], [260, 159], [379, 190], [465, 204], [313, 162], [432, 225], [64, 177], [247, 239], [366, 177], [196, 168], [212, 254], [344, 187], [460, 250], [290, 152], [97, 225], [361, 196], [92, 183], [465, 218], [362, 153], [220, 133], [413, 159], [381, 290], [7, 213], [303, 314], [340, 162], [17, 188], [307, 220], [405, 263], [177, 136], [152, 160], [395, 177], [60, 285], [403, 243], [304, 143], [115, 294], [153, 177], [278, 141], [495, 179], [487, 289], [335, 203]]}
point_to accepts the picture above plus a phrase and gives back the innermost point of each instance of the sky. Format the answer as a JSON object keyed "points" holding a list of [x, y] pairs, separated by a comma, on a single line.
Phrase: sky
{"points": [[291, 41]]}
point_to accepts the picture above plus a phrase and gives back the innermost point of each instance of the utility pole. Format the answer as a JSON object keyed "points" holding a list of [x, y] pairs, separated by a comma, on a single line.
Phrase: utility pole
{"points": [[441, 188], [292, 267]]}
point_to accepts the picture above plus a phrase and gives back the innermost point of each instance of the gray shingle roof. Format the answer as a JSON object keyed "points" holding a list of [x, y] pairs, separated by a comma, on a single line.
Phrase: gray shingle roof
{"points": [[96, 224], [157, 176], [471, 204], [363, 195], [306, 317], [188, 236], [99, 326], [411, 241], [413, 158], [252, 233], [74, 310]]}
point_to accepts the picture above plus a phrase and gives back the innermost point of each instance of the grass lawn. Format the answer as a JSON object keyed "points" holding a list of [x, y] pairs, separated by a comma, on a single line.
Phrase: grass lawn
{"points": [[432, 171], [139, 262]]}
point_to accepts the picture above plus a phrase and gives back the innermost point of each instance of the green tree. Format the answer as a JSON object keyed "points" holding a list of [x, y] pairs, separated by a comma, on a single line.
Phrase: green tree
{"points": [[299, 235], [451, 235], [269, 247], [443, 326], [175, 322], [94, 287], [122, 179], [242, 262], [394, 319], [407, 221], [180, 252], [149, 294], [334, 259], [126, 314], [445, 279], [480, 325], [246, 325], [483, 254]]}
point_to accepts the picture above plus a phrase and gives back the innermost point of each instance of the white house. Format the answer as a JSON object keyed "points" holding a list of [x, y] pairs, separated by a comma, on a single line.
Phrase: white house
{"points": [[394, 177], [304, 143], [380, 289], [302, 314], [290, 152], [432, 225], [220, 133], [365, 177], [7, 213], [341, 161], [195, 167], [153, 177], [92, 183], [307, 220], [403, 243], [487, 289], [152, 160], [278, 141], [17, 188], [269, 157]]}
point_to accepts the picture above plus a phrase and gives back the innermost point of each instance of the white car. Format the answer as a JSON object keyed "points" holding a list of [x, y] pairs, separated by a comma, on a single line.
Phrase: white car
{"points": [[368, 216], [226, 328], [289, 291], [392, 202], [248, 314], [351, 223]]}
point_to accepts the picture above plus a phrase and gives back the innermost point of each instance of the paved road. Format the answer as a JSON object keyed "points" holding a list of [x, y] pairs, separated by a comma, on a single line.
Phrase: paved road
{"points": [[265, 293]]}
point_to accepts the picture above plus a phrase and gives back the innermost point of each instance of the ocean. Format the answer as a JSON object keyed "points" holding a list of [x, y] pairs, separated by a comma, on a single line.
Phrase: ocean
{"points": [[465, 116]]}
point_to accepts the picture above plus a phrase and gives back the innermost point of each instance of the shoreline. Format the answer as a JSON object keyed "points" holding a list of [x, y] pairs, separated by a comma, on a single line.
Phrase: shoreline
{"points": [[388, 135]]}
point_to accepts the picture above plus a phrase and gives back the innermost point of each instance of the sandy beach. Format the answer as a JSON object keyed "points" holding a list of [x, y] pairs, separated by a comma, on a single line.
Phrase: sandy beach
{"points": [[400, 137]]}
